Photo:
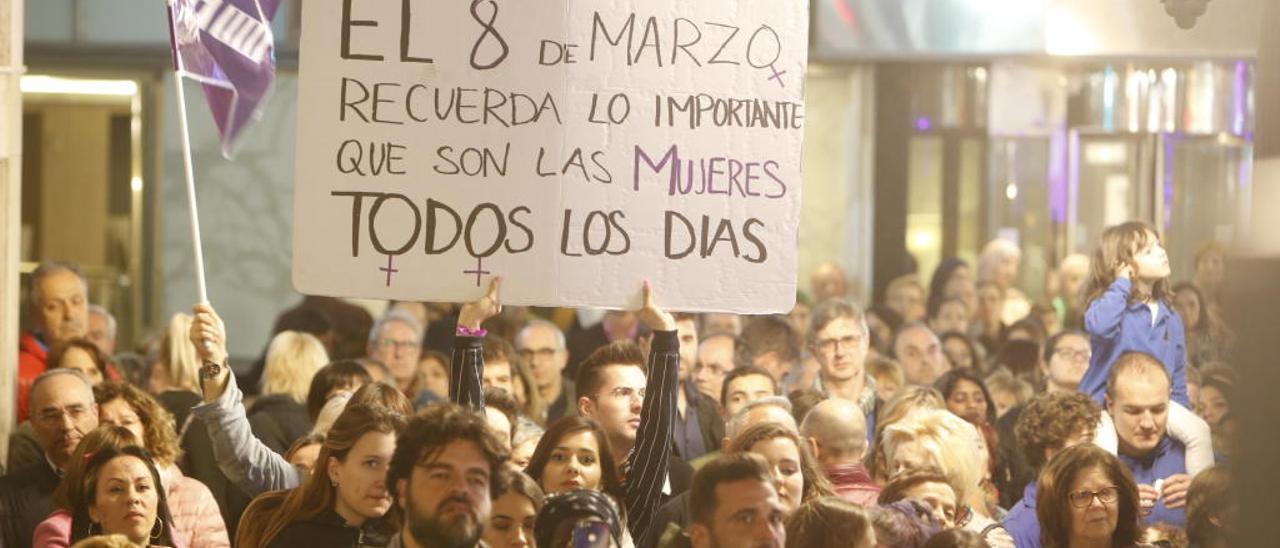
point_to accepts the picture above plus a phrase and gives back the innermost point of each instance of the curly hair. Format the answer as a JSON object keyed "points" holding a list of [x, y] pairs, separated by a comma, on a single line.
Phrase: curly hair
{"points": [[433, 429], [158, 432], [1050, 420], [816, 484]]}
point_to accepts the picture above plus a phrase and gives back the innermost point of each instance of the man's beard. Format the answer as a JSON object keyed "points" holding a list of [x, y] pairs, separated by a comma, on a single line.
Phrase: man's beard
{"points": [[461, 530]]}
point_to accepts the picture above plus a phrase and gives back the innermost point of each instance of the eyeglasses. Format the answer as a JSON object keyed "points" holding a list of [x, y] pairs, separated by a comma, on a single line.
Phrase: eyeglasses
{"points": [[1082, 499], [1075, 355], [830, 345], [626, 393], [537, 353]]}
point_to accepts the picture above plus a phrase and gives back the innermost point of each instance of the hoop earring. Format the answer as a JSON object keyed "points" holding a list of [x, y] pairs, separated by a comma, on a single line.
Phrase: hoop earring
{"points": [[157, 530], [89, 531]]}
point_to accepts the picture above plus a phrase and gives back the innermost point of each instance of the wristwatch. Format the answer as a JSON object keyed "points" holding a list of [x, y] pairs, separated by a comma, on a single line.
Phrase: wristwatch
{"points": [[211, 370]]}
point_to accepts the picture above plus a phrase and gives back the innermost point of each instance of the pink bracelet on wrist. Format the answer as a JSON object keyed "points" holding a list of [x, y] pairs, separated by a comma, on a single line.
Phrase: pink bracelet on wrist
{"points": [[464, 331]]}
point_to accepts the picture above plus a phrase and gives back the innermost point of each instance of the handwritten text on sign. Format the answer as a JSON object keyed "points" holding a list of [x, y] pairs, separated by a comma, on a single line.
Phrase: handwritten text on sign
{"points": [[575, 148]]}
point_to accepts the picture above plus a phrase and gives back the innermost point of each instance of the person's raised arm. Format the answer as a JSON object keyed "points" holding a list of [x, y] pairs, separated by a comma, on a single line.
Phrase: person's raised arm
{"points": [[466, 367], [1103, 316], [646, 466], [241, 456]]}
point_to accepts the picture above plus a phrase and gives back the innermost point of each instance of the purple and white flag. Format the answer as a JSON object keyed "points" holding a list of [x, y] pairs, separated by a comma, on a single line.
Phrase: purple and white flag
{"points": [[228, 47]]}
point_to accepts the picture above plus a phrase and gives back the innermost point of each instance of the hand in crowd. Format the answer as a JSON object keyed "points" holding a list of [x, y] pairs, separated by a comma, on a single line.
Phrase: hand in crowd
{"points": [[653, 316], [474, 313], [1147, 497], [1175, 490], [209, 335]]}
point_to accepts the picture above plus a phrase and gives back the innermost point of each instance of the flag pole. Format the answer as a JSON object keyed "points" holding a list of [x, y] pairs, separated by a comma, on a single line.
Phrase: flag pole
{"points": [[191, 188]]}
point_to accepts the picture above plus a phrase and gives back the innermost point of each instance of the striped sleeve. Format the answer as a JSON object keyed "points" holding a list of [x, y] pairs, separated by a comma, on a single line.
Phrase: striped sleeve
{"points": [[646, 466], [466, 373]]}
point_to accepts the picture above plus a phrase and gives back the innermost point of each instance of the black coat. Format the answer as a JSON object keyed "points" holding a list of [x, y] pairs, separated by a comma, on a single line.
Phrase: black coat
{"points": [[26, 498], [329, 530], [710, 423], [279, 421]]}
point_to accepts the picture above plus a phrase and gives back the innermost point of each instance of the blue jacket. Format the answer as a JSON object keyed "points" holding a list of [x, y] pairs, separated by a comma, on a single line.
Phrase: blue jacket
{"points": [[1021, 521], [1168, 458], [1116, 326]]}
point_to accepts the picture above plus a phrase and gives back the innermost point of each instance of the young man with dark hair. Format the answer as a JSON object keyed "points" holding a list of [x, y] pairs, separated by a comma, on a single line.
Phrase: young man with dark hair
{"points": [[733, 503], [498, 355], [443, 477], [1066, 357], [772, 344], [635, 403], [744, 385]]}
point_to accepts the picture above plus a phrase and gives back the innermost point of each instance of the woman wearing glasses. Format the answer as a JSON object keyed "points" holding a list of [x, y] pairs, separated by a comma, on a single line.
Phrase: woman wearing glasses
{"points": [[1087, 498]]}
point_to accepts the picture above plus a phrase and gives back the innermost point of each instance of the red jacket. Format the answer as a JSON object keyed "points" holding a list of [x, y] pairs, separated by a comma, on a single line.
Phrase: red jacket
{"points": [[854, 484], [32, 355]]}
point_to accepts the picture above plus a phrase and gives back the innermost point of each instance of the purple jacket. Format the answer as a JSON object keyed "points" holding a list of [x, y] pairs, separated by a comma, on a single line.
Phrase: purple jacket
{"points": [[1167, 459], [1021, 521], [1116, 326]]}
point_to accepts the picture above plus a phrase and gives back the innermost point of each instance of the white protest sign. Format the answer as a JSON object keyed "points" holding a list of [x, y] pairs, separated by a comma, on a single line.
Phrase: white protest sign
{"points": [[575, 148]]}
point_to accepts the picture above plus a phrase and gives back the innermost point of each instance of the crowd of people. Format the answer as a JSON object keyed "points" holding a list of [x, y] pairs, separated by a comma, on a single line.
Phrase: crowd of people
{"points": [[958, 413]]}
